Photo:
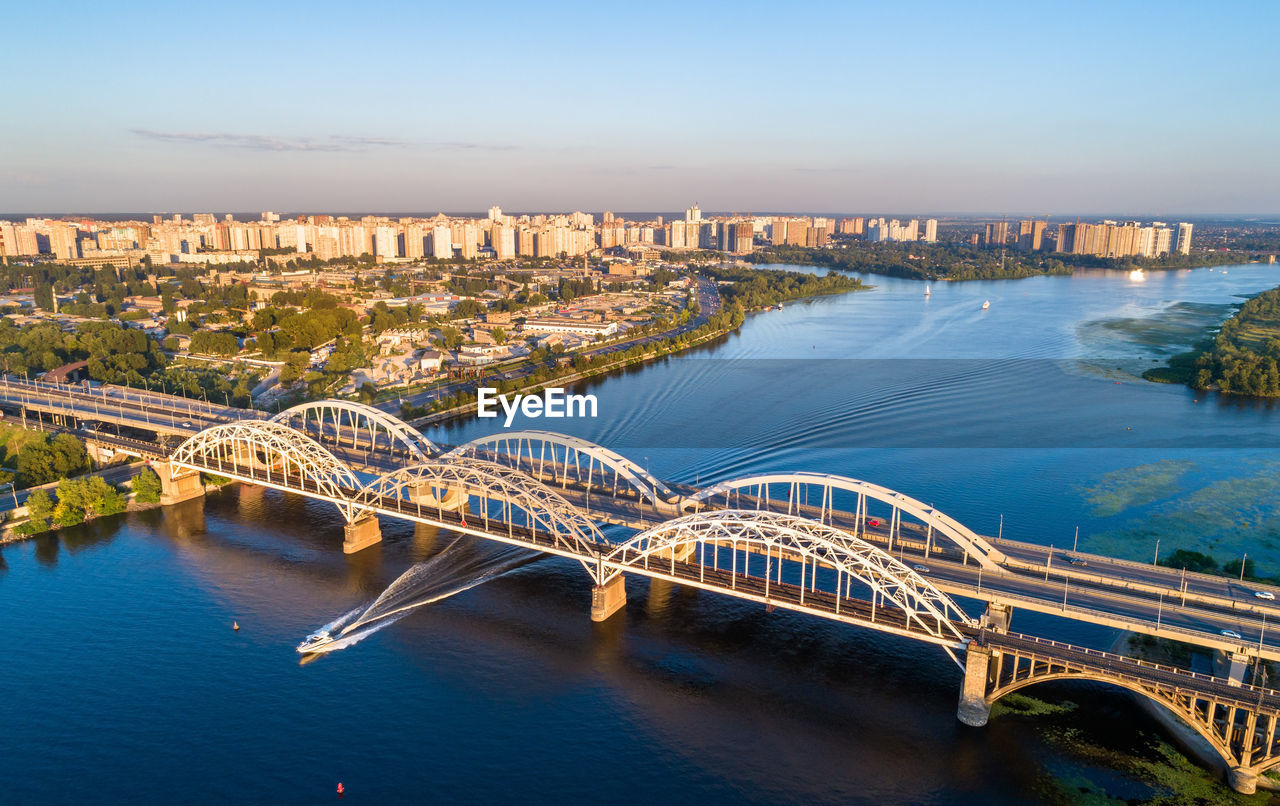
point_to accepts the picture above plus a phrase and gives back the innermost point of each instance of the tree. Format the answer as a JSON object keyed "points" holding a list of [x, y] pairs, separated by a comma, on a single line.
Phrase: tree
{"points": [[36, 464], [146, 487], [44, 296], [39, 506], [70, 457], [294, 365], [103, 498]]}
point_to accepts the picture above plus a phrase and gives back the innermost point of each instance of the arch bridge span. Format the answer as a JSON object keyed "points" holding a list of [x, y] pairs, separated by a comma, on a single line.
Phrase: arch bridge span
{"points": [[270, 454], [358, 427], [559, 459], [797, 498]]}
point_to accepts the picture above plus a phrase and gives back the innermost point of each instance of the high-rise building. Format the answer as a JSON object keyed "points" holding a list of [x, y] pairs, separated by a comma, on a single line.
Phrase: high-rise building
{"points": [[1163, 239], [386, 242], [1031, 235], [504, 241], [693, 213], [997, 234], [415, 241], [441, 242], [1184, 238], [62, 241], [931, 230]]}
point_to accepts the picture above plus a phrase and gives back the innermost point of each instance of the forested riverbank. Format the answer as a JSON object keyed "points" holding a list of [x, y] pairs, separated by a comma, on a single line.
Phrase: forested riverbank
{"points": [[951, 261], [1240, 360]]}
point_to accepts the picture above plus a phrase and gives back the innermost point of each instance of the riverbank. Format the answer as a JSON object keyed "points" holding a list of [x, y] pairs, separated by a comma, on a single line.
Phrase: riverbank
{"points": [[446, 415], [743, 291], [1241, 359], [955, 262]]}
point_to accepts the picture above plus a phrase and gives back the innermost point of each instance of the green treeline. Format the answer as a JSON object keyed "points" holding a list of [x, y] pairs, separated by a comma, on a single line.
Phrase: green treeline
{"points": [[1242, 360], [952, 261], [78, 501], [920, 261], [754, 288], [115, 354]]}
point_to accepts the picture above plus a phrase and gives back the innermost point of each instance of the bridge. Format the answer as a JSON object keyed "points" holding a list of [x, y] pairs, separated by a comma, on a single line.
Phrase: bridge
{"points": [[824, 545]]}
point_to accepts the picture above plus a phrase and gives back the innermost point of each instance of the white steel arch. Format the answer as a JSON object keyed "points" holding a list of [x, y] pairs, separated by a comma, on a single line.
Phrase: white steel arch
{"points": [[971, 543], [536, 452], [545, 511], [359, 423], [812, 544], [272, 454]]}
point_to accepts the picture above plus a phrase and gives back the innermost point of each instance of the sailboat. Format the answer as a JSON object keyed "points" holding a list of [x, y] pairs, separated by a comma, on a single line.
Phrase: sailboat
{"points": [[986, 304], [926, 289]]}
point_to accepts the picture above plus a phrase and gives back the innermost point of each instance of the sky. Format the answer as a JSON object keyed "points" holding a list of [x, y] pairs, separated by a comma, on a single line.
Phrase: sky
{"points": [[981, 107]]}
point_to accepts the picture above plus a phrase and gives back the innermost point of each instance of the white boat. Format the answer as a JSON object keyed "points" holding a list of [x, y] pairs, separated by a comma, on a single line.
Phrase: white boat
{"points": [[315, 642], [986, 305], [926, 289], [1137, 275]]}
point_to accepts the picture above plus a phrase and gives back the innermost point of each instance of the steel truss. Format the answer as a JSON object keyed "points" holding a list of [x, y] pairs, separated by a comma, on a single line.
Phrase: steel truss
{"points": [[798, 484], [812, 545], [329, 418], [558, 458]]}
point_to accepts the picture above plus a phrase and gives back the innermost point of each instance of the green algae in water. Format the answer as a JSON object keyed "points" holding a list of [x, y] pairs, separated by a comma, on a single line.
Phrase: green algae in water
{"points": [[1136, 486], [1022, 705], [1225, 519], [1155, 773]]}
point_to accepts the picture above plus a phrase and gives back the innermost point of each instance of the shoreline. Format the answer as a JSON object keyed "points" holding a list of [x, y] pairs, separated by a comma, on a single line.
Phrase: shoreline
{"points": [[1243, 261], [447, 415]]}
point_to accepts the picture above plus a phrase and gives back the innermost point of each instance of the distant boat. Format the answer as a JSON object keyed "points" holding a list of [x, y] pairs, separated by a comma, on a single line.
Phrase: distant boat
{"points": [[986, 305], [1137, 275], [1224, 271], [926, 289]]}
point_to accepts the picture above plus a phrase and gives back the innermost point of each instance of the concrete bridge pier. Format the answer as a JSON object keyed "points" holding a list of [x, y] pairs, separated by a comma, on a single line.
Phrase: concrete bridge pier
{"points": [[1231, 665], [177, 484], [997, 617], [974, 709], [1243, 780], [608, 598], [361, 533]]}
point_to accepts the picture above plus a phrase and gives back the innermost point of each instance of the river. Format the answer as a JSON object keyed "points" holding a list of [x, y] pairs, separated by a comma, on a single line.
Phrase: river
{"points": [[125, 682]]}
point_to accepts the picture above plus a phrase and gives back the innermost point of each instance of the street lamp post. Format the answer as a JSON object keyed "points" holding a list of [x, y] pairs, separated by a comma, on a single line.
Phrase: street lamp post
{"points": [[1243, 560], [1156, 559], [1075, 544]]}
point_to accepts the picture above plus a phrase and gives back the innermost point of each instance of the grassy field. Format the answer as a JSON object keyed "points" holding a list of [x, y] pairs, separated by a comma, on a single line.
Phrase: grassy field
{"points": [[12, 438]]}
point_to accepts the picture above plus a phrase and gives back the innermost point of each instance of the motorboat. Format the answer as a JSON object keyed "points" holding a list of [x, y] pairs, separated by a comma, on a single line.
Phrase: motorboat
{"points": [[315, 642], [1137, 275], [926, 289], [986, 304]]}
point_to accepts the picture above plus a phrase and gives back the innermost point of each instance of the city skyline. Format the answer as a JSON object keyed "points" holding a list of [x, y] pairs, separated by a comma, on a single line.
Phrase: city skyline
{"points": [[930, 107]]}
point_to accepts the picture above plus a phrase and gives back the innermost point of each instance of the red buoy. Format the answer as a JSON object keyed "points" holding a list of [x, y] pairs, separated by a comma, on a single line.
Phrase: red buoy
{"points": [[340, 790]]}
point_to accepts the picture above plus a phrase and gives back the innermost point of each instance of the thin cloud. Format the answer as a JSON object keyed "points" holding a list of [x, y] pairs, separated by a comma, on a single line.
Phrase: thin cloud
{"points": [[333, 143]]}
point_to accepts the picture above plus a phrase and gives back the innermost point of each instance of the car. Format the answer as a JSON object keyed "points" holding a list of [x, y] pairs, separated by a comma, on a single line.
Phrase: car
{"points": [[186, 424], [924, 569], [1077, 561], [1231, 634], [873, 522], [1268, 595]]}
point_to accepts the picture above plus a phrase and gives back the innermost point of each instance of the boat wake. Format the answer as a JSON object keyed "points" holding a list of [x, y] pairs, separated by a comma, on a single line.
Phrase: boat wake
{"points": [[462, 565]]}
